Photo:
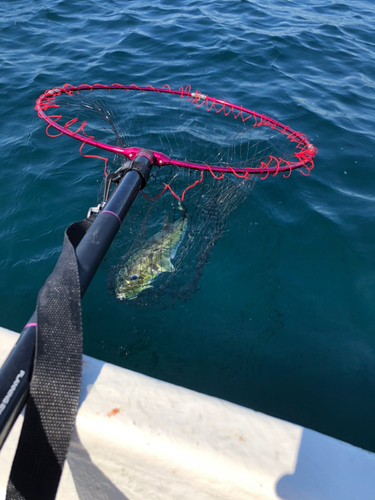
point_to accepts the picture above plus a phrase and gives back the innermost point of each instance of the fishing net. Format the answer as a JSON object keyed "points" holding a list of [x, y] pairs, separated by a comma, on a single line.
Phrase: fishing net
{"points": [[208, 154]]}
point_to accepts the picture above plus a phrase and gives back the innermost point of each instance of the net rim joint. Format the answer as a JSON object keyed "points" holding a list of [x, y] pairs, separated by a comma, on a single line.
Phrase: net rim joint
{"points": [[198, 95]]}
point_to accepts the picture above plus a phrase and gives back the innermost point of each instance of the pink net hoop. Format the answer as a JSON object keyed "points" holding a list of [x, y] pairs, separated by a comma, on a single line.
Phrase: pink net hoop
{"points": [[297, 151]]}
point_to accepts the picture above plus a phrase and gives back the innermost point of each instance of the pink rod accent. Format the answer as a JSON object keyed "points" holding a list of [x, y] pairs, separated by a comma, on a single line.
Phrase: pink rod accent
{"points": [[29, 325], [113, 213]]}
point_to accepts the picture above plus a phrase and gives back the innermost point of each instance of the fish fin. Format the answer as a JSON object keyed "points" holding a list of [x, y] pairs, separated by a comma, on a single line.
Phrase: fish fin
{"points": [[166, 265], [136, 294], [183, 209], [166, 222]]}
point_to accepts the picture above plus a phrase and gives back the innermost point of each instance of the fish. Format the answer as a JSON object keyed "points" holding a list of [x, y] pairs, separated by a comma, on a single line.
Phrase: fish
{"points": [[150, 260]]}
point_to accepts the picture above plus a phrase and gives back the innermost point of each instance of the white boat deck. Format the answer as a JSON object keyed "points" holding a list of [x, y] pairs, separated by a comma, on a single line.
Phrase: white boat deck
{"points": [[138, 438]]}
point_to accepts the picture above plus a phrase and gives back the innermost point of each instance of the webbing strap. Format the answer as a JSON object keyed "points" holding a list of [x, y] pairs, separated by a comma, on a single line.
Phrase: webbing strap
{"points": [[55, 385]]}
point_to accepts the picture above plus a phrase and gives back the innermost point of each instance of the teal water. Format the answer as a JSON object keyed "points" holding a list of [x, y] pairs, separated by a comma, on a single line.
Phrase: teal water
{"points": [[283, 321]]}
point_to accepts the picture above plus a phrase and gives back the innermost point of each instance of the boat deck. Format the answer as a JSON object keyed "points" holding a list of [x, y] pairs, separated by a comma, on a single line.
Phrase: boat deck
{"points": [[141, 438]]}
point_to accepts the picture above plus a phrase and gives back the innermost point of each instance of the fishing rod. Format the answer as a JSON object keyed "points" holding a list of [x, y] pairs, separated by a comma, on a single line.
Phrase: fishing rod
{"points": [[16, 372]]}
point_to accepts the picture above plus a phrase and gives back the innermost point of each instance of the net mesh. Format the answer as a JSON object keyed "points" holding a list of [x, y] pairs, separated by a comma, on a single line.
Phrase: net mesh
{"points": [[172, 227], [205, 208]]}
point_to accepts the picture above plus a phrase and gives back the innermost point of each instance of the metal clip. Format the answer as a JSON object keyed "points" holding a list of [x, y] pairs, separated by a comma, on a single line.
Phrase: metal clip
{"points": [[95, 210]]}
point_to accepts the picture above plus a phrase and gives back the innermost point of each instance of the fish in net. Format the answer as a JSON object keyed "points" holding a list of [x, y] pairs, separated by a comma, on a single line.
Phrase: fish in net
{"points": [[207, 154]]}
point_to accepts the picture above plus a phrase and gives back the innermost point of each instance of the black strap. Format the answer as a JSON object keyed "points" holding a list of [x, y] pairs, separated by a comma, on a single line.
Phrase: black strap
{"points": [[55, 385]]}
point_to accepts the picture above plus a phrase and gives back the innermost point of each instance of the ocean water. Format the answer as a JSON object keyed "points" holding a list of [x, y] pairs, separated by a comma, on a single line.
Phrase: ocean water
{"points": [[283, 318]]}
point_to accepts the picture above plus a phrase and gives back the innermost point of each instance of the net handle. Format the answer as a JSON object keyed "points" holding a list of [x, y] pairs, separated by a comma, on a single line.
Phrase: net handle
{"points": [[306, 154]]}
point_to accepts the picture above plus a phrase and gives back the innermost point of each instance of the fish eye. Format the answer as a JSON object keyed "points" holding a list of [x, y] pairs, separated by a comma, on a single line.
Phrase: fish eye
{"points": [[134, 277]]}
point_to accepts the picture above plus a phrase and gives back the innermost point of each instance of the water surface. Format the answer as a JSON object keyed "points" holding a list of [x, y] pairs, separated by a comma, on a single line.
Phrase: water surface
{"points": [[283, 321]]}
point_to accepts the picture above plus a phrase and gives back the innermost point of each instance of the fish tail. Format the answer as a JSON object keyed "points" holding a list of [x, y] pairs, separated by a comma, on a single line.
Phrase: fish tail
{"points": [[184, 210]]}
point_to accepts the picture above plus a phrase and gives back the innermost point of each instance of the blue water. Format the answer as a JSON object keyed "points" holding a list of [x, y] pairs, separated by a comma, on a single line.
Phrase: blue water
{"points": [[283, 321]]}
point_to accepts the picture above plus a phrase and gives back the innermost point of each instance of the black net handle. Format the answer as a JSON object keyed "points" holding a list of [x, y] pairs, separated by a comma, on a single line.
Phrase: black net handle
{"points": [[55, 385], [56, 382]]}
